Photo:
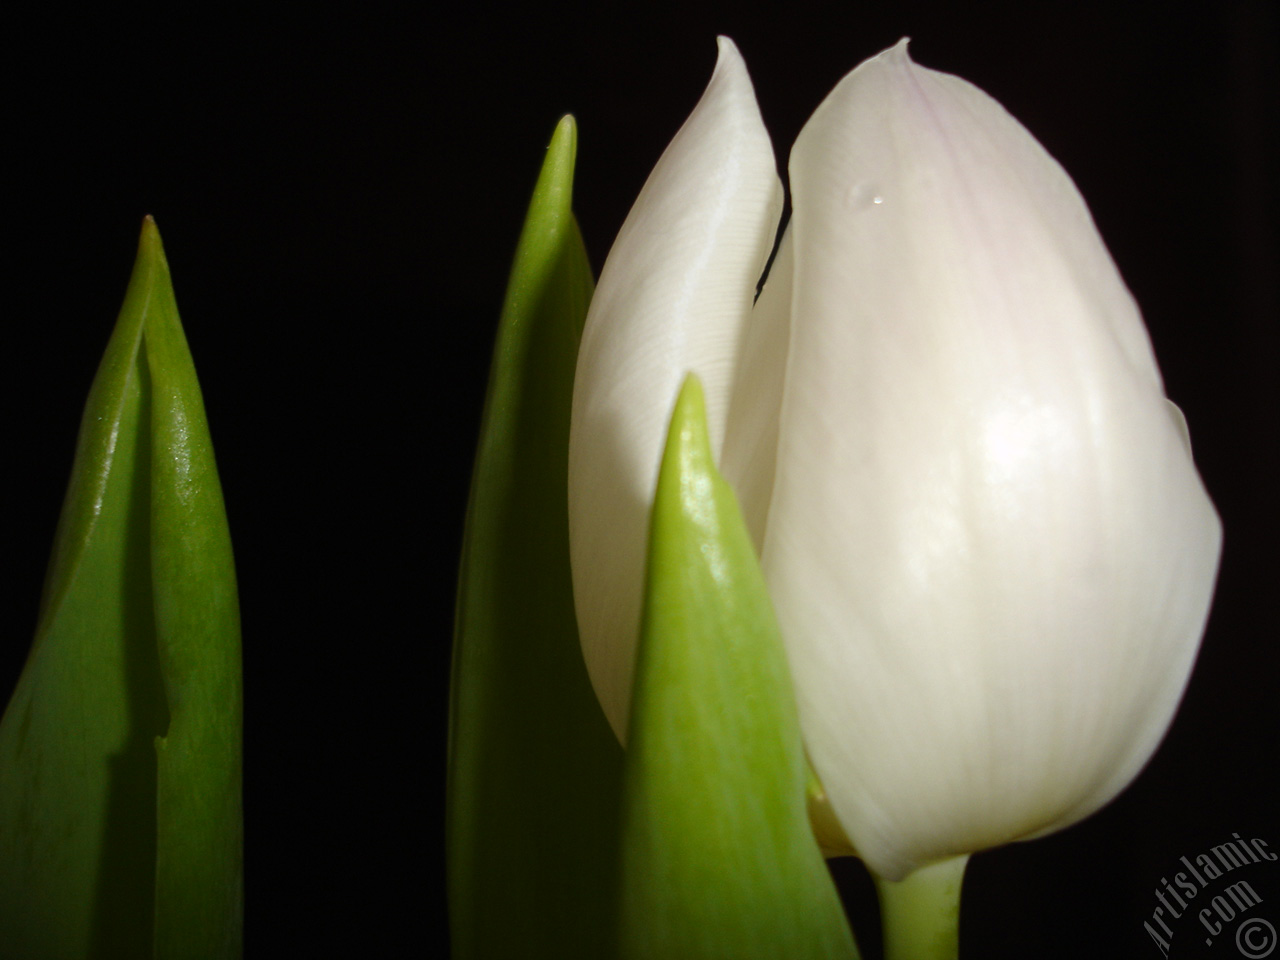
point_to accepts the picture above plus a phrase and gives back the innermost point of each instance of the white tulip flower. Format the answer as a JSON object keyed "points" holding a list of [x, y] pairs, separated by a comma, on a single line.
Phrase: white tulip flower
{"points": [[988, 547]]}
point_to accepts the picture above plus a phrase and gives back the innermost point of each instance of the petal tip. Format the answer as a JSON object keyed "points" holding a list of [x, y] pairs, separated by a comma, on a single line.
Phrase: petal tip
{"points": [[896, 56], [725, 44], [729, 58]]}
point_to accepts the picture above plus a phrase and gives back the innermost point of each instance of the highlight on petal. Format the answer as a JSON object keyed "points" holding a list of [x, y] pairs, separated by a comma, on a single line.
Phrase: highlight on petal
{"points": [[989, 549], [672, 299]]}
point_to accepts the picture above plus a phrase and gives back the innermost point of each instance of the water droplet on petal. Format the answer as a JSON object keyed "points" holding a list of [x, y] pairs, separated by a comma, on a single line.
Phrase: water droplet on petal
{"points": [[862, 196]]}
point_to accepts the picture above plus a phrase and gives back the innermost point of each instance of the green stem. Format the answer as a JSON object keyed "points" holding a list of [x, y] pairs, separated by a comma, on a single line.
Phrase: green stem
{"points": [[921, 914]]}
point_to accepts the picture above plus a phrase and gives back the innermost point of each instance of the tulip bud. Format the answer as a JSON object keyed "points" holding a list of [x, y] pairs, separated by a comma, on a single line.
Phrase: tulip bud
{"points": [[988, 547]]}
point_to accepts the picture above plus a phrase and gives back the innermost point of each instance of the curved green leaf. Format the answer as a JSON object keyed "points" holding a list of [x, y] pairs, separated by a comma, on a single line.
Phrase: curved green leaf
{"points": [[534, 770]]}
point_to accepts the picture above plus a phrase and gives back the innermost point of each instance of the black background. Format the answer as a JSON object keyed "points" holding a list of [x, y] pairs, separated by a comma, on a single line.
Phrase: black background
{"points": [[340, 194]]}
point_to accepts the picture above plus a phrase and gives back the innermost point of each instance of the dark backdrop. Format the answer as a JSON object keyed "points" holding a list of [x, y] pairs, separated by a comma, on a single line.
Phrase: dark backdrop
{"points": [[340, 195]]}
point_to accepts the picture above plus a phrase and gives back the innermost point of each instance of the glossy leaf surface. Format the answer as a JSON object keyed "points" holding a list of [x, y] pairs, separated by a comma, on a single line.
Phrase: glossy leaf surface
{"points": [[120, 765]]}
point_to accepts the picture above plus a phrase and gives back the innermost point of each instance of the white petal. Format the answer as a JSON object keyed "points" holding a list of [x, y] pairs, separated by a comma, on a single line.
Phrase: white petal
{"points": [[672, 298], [989, 549], [751, 433]]}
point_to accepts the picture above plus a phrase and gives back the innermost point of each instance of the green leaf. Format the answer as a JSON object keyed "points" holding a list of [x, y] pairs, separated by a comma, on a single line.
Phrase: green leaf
{"points": [[534, 770], [120, 778], [719, 860]]}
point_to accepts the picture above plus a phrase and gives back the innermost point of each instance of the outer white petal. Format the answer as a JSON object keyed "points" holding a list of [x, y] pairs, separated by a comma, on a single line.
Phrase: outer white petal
{"points": [[672, 298], [989, 549]]}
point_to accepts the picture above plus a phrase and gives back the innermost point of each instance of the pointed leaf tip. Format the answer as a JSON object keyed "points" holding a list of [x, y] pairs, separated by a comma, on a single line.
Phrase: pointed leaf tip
{"points": [[149, 242], [690, 417], [566, 133]]}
